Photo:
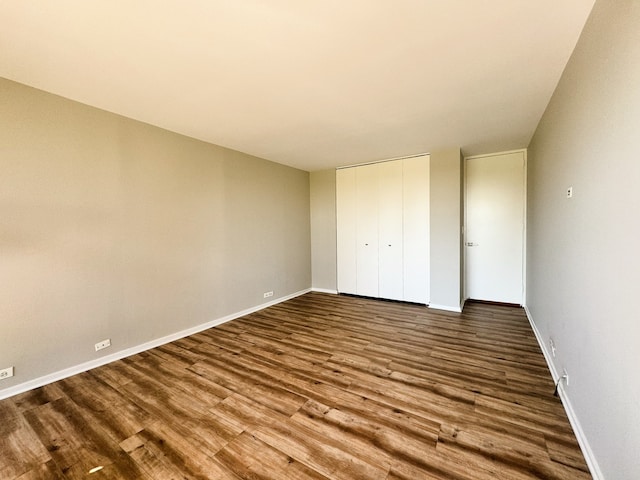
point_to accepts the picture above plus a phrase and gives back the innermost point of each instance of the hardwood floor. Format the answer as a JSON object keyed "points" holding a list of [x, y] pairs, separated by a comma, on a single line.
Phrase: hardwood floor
{"points": [[319, 387]]}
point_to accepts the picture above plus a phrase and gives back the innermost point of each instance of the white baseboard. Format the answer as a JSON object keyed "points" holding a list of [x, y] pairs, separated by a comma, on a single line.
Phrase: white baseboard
{"points": [[447, 308], [542, 344], [324, 290], [83, 367], [589, 457]]}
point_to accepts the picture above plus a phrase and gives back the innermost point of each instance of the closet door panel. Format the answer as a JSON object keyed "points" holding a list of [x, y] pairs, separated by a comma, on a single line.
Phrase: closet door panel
{"points": [[390, 271], [367, 230], [346, 214], [416, 229]]}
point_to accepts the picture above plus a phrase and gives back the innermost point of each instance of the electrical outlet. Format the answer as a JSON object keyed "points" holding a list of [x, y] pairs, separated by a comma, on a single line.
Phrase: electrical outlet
{"points": [[569, 192], [565, 377], [268, 294], [553, 347], [6, 373], [103, 344]]}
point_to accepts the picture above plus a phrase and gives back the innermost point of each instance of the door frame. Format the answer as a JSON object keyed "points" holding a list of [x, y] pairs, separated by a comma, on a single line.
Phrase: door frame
{"points": [[524, 223]]}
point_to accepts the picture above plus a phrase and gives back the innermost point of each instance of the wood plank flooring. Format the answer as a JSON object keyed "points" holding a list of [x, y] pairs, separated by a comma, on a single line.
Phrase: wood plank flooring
{"points": [[320, 387]]}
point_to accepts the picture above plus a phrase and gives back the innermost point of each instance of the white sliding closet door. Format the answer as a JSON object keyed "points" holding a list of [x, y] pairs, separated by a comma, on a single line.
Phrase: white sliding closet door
{"points": [[346, 215], [390, 271], [367, 230], [383, 229], [416, 229]]}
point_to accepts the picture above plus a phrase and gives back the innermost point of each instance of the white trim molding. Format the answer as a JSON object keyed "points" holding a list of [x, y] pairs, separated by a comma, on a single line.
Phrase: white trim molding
{"points": [[463, 303], [447, 308], [83, 367], [324, 290], [589, 457]]}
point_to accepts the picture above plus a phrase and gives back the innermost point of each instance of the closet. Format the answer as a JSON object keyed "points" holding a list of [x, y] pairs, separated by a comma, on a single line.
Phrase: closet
{"points": [[383, 229]]}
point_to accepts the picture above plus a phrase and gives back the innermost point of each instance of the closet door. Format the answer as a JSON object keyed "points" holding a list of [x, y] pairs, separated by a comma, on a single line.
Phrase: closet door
{"points": [[416, 229], [390, 271], [383, 229], [346, 214], [367, 230]]}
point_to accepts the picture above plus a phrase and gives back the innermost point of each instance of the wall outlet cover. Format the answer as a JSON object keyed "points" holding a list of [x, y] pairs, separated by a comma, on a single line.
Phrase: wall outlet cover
{"points": [[103, 344]]}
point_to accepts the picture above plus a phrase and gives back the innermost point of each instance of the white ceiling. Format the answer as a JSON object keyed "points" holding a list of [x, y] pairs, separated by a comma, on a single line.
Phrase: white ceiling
{"points": [[311, 84]]}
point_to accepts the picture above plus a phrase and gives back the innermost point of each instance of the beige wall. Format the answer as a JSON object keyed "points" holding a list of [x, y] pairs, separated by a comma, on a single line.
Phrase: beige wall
{"points": [[446, 224], [583, 269], [323, 230], [111, 228]]}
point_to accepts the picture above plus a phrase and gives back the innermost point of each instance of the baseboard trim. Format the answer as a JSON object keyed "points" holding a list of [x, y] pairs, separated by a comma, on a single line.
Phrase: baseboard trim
{"points": [[447, 308], [83, 367], [589, 457], [541, 343], [324, 290]]}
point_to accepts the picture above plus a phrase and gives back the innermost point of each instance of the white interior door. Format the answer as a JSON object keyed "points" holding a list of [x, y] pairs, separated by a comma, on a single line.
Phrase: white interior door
{"points": [[390, 274], [367, 230], [494, 234]]}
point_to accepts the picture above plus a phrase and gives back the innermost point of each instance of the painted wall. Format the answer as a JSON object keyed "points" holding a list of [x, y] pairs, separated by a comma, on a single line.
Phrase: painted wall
{"points": [[583, 270], [323, 230], [110, 228], [446, 224]]}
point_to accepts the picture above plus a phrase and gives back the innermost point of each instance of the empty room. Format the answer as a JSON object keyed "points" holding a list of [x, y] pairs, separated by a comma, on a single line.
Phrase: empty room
{"points": [[319, 240]]}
